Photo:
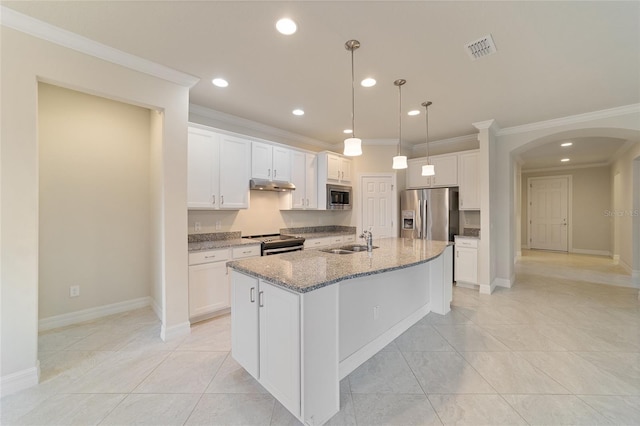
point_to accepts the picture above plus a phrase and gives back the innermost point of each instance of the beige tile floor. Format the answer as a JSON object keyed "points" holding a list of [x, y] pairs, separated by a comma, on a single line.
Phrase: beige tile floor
{"points": [[560, 347]]}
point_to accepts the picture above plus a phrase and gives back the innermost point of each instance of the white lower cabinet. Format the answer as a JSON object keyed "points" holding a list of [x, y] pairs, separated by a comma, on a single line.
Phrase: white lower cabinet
{"points": [[466, 260], [265, 330], [209, 291], [208, 282]]}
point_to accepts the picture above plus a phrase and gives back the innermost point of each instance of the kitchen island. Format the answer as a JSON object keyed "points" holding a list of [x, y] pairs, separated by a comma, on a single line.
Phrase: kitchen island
{"points": [[302, 321]]}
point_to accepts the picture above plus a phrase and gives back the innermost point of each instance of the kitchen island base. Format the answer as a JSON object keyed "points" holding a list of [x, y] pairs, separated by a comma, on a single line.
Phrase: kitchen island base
{"points": [[299, 345]]}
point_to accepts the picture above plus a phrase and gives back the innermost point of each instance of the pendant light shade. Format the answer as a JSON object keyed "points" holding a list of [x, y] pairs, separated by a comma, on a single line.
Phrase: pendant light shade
{"points": [[399, 161], [427, 169], [352, 145]]}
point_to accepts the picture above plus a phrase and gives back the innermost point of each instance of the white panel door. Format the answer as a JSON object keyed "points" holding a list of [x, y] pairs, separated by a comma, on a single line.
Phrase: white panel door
{"points": [[245, 335], [261, 160], [280, 345], [281, 164], [377, 205], [548, 205]]}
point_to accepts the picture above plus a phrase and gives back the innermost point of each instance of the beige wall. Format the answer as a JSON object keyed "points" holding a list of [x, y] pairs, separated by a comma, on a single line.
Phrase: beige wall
{"points": [[591, 188], [94, 201], [25, 61]]}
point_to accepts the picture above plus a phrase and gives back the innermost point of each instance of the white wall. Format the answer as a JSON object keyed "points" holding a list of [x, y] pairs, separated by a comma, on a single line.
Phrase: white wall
{"points": [[623, 122], [94, 201], [591, 226], [25, 61], [627, 212]]}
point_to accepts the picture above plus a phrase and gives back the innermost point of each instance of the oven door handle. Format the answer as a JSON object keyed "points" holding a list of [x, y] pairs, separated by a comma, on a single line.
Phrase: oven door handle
{"points": [[283, 250]]}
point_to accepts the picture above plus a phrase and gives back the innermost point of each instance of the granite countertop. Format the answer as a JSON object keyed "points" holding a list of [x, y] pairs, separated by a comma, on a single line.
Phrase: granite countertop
{"points": [[211, 245], [308, 270], [216, 240], [309, 232]]}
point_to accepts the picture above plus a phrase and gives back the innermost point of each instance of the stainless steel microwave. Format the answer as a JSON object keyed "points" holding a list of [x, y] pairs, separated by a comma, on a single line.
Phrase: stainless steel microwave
{"points": [[339, 197]]}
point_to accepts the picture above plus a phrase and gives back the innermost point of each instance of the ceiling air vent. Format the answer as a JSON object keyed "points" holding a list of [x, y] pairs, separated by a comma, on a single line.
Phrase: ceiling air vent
{"points": [[481, 47]]}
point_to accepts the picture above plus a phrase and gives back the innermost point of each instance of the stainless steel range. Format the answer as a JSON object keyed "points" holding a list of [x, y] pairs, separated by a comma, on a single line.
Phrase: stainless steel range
{"points": [[276, 243]]}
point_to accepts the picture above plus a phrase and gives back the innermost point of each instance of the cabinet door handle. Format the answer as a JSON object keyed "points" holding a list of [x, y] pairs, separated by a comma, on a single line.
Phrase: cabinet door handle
{"points": [[213, 199], [210, 257], [252, 294], [221, 199], [275, 172], [246, 252], [261, 299], [269, 172]]}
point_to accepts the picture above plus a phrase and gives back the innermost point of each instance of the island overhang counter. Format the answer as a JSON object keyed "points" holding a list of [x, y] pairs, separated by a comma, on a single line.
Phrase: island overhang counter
{"points": [[302, 321]]}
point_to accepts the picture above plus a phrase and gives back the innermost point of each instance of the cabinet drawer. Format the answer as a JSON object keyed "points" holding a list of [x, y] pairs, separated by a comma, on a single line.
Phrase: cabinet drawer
{"points": [[317, 243], [467, 242], [209, 256], [336, 240], [348, 238], [242, 252]]}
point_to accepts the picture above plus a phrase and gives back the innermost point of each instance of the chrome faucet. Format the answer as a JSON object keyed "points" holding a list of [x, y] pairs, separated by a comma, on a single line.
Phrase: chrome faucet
{"points": [[369, 238]]}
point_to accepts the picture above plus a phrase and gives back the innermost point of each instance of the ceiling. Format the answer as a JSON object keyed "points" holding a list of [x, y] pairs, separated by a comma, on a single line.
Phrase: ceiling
{"points": [[554, 59]]}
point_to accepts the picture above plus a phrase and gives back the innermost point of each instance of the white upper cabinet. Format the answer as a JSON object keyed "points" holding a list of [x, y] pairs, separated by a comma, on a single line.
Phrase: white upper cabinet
{"points": [[217, 171], [334, 168], [446, 167], [468, 180], [234, 172], [270, 162], [304, 176], [202, 176]]}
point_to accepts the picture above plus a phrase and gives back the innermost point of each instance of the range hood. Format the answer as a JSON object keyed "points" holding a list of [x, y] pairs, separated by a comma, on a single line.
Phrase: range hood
{"points": [[268, 185]]}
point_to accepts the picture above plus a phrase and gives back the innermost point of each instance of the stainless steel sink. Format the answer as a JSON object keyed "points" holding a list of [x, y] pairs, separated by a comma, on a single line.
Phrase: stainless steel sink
{"points": [[337, 251], [356, 247], [351, 248]]}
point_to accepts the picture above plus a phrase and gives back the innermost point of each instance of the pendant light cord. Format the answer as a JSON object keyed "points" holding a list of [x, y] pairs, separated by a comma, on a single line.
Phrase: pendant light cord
{"points": [[399, 117], [353, 99], [426, 107]]}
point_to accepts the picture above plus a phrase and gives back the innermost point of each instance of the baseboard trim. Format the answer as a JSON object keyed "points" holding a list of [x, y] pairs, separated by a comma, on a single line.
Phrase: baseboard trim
{"points": [[357, 358], [606, 253], [503, 282], [92, 313], [156, 309], [463, 284], [487, 288], [178, 330], [20, 380]]}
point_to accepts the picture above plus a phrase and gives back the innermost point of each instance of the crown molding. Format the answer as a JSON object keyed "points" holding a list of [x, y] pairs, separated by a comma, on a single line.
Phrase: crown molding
{"points": [[244, 123], [488, 124], [450, 141], [45, 31], [573, 119], [561, 168]]}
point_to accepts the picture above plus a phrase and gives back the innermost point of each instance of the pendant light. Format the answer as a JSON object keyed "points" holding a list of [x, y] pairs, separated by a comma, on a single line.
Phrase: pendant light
{"points": [[352, 145], [399, 161], [427, 169]]}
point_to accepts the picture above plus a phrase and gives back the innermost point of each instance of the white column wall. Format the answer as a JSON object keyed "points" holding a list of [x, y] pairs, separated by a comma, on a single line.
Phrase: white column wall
{"points": [[622, 123], [25, 60]]}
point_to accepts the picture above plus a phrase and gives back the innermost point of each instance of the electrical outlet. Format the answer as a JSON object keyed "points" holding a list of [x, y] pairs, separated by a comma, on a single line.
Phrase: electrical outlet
{"points": [[74, 291], [197, 226], [218, 225]]}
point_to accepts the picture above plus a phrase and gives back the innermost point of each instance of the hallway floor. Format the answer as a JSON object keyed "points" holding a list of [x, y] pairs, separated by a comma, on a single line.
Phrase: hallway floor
{"points": [[557, 348]]}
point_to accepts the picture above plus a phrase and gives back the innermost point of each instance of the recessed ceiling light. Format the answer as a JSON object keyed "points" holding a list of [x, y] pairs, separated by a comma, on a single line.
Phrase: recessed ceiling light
{"points": [[286, 26], [368, 82], [564, 160], [220, 82], [566, 144], [297, 112], [413, 112], [347, 131]]}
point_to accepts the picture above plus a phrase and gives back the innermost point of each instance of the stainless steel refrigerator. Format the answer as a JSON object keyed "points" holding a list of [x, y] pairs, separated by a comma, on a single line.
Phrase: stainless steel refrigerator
{"points": [[429, 213]]}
